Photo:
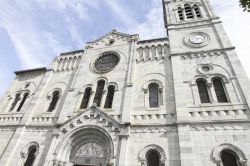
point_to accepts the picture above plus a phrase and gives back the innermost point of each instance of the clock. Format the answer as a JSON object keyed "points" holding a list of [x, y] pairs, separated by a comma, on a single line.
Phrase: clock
{"points": [[106, 62], [197, 39]]}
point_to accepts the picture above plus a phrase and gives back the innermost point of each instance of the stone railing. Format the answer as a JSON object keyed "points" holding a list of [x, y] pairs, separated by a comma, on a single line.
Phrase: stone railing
{"points": [[219, 112], [10, 119], [154, 117], [44, 120]]}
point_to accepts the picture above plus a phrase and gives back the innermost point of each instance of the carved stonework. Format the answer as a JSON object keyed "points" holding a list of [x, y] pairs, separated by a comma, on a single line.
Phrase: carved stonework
{"points": [[90, 150], [90, 115]]}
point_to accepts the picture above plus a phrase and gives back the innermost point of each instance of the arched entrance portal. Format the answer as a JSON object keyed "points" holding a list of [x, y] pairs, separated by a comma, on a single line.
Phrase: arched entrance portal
{"points": [[90, 146]]}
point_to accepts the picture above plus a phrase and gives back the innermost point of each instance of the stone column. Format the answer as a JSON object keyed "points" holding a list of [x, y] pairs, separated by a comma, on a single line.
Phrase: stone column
{"points": [[18, 103], [103, 100], [7, 105], [128, 90], [51, 150], [186, 145], [91, 98], [23, 156], [123, 149], [146, 98], [195, 93], [79, 101], [211, 92], [144, 56]]}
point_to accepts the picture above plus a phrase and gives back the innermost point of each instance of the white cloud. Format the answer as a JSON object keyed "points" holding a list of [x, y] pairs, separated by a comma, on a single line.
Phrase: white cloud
{"points": [[121, 12], [153, 26], [37, 45], [237, 25]]}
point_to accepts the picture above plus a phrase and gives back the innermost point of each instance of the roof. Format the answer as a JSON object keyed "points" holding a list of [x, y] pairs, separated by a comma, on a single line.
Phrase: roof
{"points": [[42, 69]]}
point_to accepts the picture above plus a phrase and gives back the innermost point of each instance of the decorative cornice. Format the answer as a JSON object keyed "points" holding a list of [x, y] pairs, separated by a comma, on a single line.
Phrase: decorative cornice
{"points": [[153, 40], [190, 53]]}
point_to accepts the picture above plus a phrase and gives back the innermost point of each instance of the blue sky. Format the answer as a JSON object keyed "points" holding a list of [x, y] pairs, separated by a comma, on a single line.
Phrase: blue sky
{"points": [[33, 32]]}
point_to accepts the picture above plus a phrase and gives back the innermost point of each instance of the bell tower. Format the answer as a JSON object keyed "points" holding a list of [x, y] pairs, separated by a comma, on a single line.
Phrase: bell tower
{"points": [[205, 67], [193, 26], [198, 42]]}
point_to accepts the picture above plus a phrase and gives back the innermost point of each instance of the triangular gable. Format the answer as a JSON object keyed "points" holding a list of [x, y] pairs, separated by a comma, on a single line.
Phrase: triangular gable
{"points": [[92, 116], [114, 34]]}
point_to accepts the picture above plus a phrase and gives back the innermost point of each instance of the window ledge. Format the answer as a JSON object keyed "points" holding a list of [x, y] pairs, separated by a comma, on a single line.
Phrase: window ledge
{"points": [[216, 104], [108, 109], [154, 109], [12, 113]]}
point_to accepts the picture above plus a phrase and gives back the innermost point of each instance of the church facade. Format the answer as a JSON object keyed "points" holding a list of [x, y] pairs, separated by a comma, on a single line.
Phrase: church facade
{"points": [[180, 100]]}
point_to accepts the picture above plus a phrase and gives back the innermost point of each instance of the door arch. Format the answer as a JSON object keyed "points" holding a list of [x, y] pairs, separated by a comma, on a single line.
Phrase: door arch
{"points": [[88, 146]]}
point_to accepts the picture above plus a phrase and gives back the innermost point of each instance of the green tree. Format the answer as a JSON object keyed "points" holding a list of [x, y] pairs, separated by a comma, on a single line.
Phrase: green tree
{"points": [[245, 4]]}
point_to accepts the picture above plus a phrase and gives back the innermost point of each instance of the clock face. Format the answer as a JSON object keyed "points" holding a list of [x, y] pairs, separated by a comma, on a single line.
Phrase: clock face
{"points": [[197, 39], [106, 62]]}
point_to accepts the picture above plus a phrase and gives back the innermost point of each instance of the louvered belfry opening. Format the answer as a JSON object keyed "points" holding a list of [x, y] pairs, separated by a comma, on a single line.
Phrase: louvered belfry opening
{"points": [[188, 11]]}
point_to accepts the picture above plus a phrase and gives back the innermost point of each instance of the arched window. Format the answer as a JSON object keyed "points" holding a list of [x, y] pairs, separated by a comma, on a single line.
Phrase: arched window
{"points": [[228, 158], [31, 156], [153, 95], [13, 105], [85, 99], [197, 11], [54, 101], [188, 11], [219, 90], [153, 158], [99, 92], [110, 96], [203, 92], [25, 96], [180, 13]]}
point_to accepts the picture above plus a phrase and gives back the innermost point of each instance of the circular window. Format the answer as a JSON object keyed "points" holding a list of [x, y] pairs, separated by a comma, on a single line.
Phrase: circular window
{"points": [[106, 62], [206, 68], [110, 42]]}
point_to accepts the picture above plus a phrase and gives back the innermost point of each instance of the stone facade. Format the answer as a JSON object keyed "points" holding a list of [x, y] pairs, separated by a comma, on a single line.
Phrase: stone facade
{"points": [[173, 124]]}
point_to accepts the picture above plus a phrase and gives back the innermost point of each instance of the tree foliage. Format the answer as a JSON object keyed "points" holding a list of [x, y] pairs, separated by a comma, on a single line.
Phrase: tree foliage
{"points": [[245, 4]]}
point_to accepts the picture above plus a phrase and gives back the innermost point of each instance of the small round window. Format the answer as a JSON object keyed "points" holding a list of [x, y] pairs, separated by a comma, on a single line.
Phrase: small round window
{"points": [[106, 62]]}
